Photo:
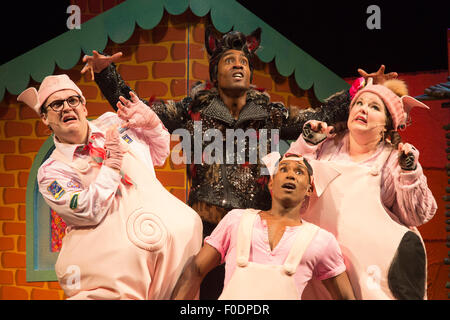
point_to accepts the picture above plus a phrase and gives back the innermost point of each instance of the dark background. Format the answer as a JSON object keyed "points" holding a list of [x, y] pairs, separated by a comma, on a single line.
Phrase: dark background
{"points": [[413, 35], [28, 24]]}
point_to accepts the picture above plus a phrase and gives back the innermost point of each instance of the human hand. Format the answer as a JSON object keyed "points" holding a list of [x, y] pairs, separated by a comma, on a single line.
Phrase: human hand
{"points": [[407, 156], [378, 77], [136, 113], [114, 153], [315, 131], [97, 62]]}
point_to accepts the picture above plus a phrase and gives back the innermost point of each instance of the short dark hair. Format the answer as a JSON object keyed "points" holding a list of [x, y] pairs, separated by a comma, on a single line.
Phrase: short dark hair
{"points": [[43, 109]]}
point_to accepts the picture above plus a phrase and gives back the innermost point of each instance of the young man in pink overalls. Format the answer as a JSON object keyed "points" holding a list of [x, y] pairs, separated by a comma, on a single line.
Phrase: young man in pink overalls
{"points": [[271, 254], [127, 236]]}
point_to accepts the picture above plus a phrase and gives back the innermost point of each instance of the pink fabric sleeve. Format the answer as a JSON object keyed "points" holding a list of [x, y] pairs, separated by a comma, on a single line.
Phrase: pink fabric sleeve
{"points": [[77, 205], [331, 262], [220, 238], [158, 140], [406, 193]]}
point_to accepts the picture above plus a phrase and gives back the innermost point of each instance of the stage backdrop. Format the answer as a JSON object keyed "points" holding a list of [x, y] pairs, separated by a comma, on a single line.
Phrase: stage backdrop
{"points": [[164, 61]]}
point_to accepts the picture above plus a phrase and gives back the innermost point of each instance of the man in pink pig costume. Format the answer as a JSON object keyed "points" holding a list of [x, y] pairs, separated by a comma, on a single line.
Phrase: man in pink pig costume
{"points": [[127, 236], [271, 255], [376, 197]]}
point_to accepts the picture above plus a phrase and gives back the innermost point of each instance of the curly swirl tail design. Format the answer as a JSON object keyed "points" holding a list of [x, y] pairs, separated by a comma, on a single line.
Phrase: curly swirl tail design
{"points": [[146, 230]]}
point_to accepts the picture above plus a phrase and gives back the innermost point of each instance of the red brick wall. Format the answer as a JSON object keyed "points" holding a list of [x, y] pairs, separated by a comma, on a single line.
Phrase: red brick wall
{"points": [[21, 136]]}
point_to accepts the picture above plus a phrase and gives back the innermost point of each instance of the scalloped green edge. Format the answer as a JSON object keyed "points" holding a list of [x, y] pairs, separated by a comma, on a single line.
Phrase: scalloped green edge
{"points": [[118, 25]]}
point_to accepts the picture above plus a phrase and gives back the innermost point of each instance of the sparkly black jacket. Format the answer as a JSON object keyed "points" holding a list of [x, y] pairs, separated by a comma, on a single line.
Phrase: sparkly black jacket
{"points": [[238, 184]]}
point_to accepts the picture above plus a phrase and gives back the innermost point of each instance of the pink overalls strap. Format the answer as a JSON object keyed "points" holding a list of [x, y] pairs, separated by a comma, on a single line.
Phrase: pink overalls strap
{"points": [[379, 163], [301, 243], [244, 237], [256, 281]]}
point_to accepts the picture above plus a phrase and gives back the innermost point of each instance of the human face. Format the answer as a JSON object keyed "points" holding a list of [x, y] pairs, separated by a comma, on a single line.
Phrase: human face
{"points": [[233, 71], [291, 183], [69, 124], [367, 115]]}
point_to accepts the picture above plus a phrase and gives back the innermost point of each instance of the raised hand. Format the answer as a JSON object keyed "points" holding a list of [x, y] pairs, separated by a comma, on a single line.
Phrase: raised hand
{"points": [[97, 62], [315, 131], [378, 77], [407, 156], [114, 153], [136, 113]]}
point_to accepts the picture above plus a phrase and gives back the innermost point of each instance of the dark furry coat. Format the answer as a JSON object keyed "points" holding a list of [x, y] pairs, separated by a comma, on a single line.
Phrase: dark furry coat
{"points": [[228, 183]]}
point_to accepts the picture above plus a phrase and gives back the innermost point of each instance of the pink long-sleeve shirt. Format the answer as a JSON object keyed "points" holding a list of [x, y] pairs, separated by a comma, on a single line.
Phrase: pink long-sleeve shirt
{"points": [[58, 182], [404, 194]]}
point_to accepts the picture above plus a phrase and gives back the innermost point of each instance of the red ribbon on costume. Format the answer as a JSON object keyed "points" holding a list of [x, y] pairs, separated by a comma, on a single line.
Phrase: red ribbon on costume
{"points": [[99, 154]]}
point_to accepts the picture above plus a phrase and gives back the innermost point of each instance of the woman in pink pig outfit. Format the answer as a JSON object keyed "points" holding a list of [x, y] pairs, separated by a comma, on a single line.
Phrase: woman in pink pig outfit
{"points": [[127, 236], [378, 197]]}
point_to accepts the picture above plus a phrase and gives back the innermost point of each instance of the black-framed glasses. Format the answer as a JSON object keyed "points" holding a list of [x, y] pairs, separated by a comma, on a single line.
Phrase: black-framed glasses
{"points": [[58, 105]]}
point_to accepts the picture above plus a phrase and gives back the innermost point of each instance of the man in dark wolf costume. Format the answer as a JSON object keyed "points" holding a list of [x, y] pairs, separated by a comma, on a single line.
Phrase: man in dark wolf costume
{"points": [[227, 102]]}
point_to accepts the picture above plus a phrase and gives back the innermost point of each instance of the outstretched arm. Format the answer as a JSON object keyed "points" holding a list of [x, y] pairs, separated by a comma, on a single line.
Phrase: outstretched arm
{"points": [[188, 284], [172, 114], [97, 62], [103, 71], [334, 110]]}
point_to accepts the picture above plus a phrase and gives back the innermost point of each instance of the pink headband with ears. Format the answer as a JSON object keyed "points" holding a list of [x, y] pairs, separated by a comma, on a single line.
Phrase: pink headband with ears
{"points": [[51, 84], [399, 107]]}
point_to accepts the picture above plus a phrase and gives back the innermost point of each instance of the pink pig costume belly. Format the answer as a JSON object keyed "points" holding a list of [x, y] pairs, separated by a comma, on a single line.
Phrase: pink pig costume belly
{"points": [[384, 260], [138, 250]]}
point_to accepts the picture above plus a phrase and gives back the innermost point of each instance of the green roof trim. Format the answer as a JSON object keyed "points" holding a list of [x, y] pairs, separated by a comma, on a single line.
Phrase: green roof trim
{"points": [[119, 22]]}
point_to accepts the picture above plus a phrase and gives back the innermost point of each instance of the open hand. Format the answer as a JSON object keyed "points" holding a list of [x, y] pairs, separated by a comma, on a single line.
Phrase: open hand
{"points": [[136, 113], [97, 62], [378, 77]]}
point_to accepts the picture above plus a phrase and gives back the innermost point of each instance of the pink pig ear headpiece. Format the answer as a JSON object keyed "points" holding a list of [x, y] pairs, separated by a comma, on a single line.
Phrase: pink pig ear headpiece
{"points": [[51, 84], [409, 103], [399, 105]]}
